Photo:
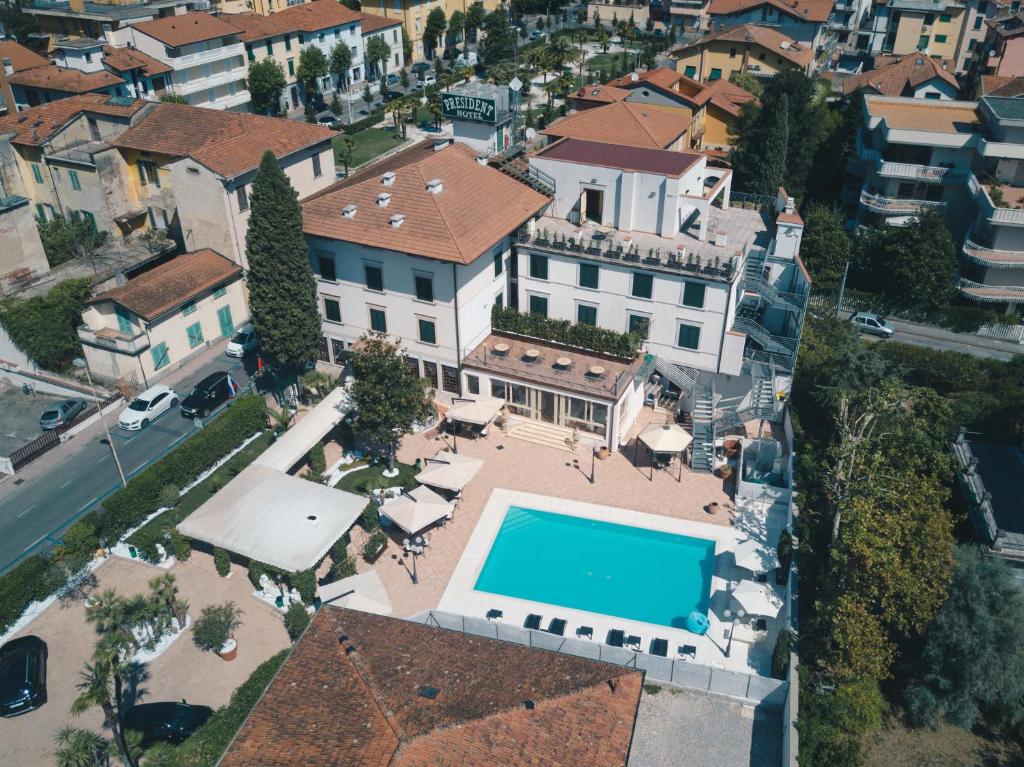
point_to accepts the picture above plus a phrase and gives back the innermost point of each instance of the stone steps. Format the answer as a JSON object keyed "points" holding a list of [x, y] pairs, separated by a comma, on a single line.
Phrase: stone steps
{"points": [[540, 433]]}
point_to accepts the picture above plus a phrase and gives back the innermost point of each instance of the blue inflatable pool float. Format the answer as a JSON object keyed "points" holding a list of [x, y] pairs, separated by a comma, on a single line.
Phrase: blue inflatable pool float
{"points": [[697, 623]]}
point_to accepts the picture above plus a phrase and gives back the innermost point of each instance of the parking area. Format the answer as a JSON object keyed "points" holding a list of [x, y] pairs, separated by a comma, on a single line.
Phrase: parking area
{"points": [[19, 416], [181, 672]]}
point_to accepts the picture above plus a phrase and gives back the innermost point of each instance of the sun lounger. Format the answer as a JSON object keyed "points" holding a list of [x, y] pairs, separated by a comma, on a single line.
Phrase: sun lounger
{"points": [[532, 622], [688, 651], [557, 626], [495, 615], [659, 647], [616, 638], [585, 631]]}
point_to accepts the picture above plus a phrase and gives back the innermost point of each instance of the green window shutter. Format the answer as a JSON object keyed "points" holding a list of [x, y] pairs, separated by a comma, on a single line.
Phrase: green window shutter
{"points": [[689, 337], [374, 277], [589, 275], [40, 212], [332, 310], [940, 38], [75, 184], [693, 295], [270, 47], [643, 285], [691, 71], [428, 332], [539, 305], [539, 267], [220, 292], [124, 321], [291, 67], [90, 218], [161, 357], [716, 74], [195, 335], [37, 173], [188, 308], [378, 320], [586, 315], [227, 325], [945, 18]]}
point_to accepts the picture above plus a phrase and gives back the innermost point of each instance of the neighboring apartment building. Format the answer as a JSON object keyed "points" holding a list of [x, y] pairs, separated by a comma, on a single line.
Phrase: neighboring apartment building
{"points": [[914, 76], [132, 165], [77, 68], [805, 21], [1003, 51], [161, 317], [413, 16], [205, 55], [14, 58], [960, 158], [762, 51], [627, 123], [96, 18]]}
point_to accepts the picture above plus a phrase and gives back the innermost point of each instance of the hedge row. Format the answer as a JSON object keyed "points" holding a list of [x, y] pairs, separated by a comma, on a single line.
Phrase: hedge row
{"points": [[367, 122], [564, 332], [205, 747], [33, 579]]}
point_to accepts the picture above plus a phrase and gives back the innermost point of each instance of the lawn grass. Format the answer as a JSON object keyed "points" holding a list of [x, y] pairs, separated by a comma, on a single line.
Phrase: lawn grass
{"points": [[372, 477], [896, 745], [369, 143]]}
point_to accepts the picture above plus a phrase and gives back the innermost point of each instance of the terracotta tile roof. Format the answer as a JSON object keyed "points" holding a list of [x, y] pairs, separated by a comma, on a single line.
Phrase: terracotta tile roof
{"points": [[600, 94], [317, 15], [126, 59], [176, 31], [371, 22], [1011, 87], [255, 26], [65, 80], [660, 161], [477, 206], [924, 115], [767, 37], [808, 10], [1007, 25], [639, 125], [171, 284], [666, 78], [349, 695], [20, 56], [722, 93], [900, 77], [727, 95], [36, 124], [228, 143]]}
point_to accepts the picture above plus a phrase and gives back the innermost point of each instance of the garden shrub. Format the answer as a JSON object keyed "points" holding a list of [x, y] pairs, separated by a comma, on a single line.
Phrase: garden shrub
{"points": [[169, 496], [785, 554], [45, 327], [305, 582], [145, 542], [296, 620], [221, 561], [367, 122], [343, 568], [316, 463], [256, 571], [78, 545], [374, 545], [34, 578], [780, 655], [215, 626], [564, 332], [180, 545], [371, 517]]}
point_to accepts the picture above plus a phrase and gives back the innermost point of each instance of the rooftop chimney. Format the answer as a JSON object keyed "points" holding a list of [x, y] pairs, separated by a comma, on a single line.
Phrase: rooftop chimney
{"points": [[383, 199], [388, 178], [435, 186], [442, 144], [8, 66], [397, 220], [349, 211]]}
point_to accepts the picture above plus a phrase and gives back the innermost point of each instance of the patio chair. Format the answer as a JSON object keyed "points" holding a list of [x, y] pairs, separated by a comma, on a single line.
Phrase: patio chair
{"points": [[633, 642], [688, 651], [616, 638], [557, 627], [495, 615], [585, 632], [532, 622], [659, 647], [759, 624]]}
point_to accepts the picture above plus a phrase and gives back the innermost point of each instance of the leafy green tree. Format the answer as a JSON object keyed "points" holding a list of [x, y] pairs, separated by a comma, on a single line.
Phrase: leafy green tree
{"points": [[345, 150], [406, 47], [759, 157], [804, 111], [282, 289], [433, 32], [388, 395], [341, 62], [173, 98], [842, 121], [67, 238], [748, 82], [266, 84], [313, 67], [46, 327], [474, 20], [499, 42], [378, 52], [15, 22], [971, 668], [296, 620], [80, 748], [456, 29], [825, 247]]}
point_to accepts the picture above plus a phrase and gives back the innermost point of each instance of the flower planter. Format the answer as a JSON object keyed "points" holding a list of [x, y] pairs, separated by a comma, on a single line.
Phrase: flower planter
{"points": [[602, 452], [228, 650]]}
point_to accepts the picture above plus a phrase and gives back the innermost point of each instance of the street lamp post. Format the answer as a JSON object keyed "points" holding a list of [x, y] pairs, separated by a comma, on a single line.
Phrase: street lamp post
{"points": [[415, 547], [79, 362], [737, 617]]}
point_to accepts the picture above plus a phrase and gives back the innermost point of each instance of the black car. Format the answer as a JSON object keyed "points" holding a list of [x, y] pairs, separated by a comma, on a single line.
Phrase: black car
{"points": [[209, 394], [419, 66], [166, 721], [22, 675], [389, 96]]}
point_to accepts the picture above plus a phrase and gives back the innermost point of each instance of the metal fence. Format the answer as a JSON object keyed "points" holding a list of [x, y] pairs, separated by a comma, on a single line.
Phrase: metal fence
{"points": [[42, 444], [750, 688]]}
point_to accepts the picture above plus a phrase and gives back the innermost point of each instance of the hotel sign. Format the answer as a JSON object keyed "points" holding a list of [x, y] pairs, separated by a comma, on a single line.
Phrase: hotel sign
{"points": [[455, 106]]}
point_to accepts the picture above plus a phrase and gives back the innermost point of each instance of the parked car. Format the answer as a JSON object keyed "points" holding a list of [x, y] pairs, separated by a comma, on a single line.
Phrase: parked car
{"points": [[147, 407], [537, 35], [867, 322], [419, 66], [166, 721], [209, 394], [387, 96], [243, 341], [22, 675], [61, 413], [427, 78], [393, 80]]}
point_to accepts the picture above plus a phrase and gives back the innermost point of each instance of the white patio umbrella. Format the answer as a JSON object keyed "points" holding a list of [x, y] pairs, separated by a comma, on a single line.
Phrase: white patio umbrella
{"points": [[416, 509], [753, 556], [364, 592], [478, 412], [449, 471], [758, 598], [666, 438]]}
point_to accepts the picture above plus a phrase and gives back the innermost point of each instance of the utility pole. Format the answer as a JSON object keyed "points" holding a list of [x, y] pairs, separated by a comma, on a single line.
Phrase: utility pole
{"points": [[842, 289]]}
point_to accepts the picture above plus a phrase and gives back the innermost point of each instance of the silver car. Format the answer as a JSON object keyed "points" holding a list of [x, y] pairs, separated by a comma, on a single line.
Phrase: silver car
{"points": [[60, 413], [868, 322]]}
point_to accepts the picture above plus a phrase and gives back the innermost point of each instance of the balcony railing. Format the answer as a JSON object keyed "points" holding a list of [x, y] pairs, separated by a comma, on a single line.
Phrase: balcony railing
{"points": [[989, 209], [992, 294], [891, 206], [928, 174], [226, 102], [113, 339], [214, 54], [203, 83], [1004, 259]]}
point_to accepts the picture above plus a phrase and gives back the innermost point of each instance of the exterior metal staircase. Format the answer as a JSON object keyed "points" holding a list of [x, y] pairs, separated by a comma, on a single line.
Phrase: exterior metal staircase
{"points": [[747, 321], [762, 393], [517, 168], [755, 279], [703, 449]]}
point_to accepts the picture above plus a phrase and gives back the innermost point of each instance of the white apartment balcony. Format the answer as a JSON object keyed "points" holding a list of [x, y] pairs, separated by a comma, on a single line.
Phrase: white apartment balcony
{"points": [[204, 83], [1000, 150], [891, 206], [204, 57], [991, 294], [108, 338], [928, 174], [227, 102], [1003, 259], [997, 214]]}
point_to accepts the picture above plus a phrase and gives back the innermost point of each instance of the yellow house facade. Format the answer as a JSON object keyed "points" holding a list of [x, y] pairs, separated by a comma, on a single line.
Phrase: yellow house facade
{"points": [[762, 51], [934, 34], [413, 15]]}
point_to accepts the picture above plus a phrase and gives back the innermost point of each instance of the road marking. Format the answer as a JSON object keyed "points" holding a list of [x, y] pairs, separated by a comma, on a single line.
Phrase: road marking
{"points": [[102, 459], [32, 545], [66, 484], [26, 511]]}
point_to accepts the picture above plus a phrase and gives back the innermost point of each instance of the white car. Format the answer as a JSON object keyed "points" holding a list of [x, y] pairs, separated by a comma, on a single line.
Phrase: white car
{"points": [[147, 407], [243, 341], [868, 322]]}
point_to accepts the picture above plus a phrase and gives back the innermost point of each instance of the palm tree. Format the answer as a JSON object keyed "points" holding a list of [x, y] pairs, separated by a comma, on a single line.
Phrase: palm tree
{"points": [[102, 685], [80, 748], [161, 754]]}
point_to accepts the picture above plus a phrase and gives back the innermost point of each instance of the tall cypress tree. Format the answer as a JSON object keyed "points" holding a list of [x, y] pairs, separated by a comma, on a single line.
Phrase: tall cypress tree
{"points": [[282, 289], [759, 157]]}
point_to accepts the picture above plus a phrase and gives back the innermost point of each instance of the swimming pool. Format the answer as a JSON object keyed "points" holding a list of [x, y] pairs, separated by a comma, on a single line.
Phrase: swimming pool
{"points": [[602, 567]]}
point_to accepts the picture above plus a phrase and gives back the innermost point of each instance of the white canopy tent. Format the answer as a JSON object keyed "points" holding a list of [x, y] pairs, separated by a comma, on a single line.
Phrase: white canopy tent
{"points": [[272, 517], [292, 446], [479, 412], [416, 509], [754, 556], [666, 438], [364, 592], [758, 598], [449, 471]]}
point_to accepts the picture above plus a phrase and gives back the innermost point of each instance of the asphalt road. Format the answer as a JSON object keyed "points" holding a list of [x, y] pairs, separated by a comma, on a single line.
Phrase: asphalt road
{"points": [[35, 512], [946, 340]]}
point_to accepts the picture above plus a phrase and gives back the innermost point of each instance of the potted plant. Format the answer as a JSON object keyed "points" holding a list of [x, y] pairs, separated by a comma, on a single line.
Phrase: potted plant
{"points": [[725, 471], [214, 630]]}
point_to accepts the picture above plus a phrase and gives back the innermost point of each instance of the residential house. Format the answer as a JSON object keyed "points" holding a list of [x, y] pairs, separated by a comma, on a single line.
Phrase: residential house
{"points": [[1003, 51], [938, 28], [77, 68], [628, 124], [204, 53], [413, 16], [14, 57], [994, 85], [549, 708], [161, 317], [144, 76], [95, 18], [802, 20], [914, 76], [759, 50]]}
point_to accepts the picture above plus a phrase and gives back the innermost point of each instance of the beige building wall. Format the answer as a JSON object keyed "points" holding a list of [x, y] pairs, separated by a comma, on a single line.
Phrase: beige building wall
{"points": [[414, 16], [939, 39], [719, 59], [20, 246]]}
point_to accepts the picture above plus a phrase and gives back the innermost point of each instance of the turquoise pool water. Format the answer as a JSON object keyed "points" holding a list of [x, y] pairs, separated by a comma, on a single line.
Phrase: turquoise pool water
{"points": [[600, 567]]}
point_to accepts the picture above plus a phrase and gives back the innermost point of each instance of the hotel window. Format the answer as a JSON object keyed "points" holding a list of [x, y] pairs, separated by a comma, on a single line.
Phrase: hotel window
{"points": [[332, 310], [586, 315], [195, 335], [322, 352], [922, 42], [148, 173], [220, 292], [690, 71], [424, 288], [539, 305], [287, 42], [450, 379], [945, 18], [317, 170], [124, 321], [499, 262], [428, 331], [413, 364], [639, 324], [929, 19], [40, 212], [689, 336], [978, 21], [250, 55], [693, 294], [37, 174], [430, 372], [539, 267], [499, 300], [75, 183], [374, 278], [732, 53], [473, 384], [940, 38], [161, 357], [270, 47], [716, 74], [327, 271], [378, 321], [291, 67], [338, 350], [243, 198], [588, 275], [642, 285]]}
